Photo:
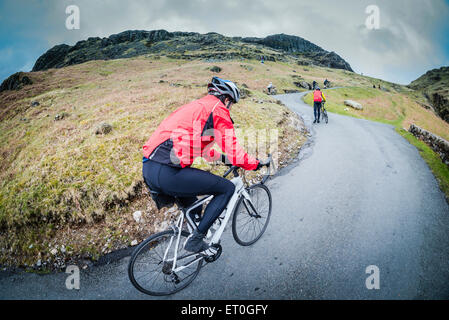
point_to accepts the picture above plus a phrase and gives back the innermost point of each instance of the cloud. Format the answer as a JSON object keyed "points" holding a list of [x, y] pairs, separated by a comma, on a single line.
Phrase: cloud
{"points": [[407, 44]]}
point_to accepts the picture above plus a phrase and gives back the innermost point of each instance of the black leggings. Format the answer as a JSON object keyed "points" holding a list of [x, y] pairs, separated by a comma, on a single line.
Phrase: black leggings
{"points": [[186, 184], [316, 110]]}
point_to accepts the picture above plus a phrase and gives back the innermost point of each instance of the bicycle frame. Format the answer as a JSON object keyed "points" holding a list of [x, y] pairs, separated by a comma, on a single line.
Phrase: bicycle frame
{"points": [[322, 106], [216, 236], [240, 191]]}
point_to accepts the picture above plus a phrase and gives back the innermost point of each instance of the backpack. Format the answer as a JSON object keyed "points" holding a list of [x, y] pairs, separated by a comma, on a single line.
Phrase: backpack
{"points": [[317, 96]]}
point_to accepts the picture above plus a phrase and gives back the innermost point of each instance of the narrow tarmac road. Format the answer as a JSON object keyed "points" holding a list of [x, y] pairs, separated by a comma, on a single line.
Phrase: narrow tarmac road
{"points": [[361, 196]]}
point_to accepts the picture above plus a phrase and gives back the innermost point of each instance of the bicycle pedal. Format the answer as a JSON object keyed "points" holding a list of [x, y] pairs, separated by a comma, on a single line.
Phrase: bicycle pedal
{"points": [[212, 253], [208, 252]]}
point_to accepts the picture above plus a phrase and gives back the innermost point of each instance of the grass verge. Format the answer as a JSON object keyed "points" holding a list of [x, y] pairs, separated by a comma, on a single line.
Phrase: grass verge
{"points": [[433, 160]]}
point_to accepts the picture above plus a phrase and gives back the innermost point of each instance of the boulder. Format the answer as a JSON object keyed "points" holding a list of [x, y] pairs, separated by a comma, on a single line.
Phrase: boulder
{"points": [[103, 128], [215, 69], [244, 93], [61, 116], [353, 104], [137, 215], [303, 84], [303, 63]]}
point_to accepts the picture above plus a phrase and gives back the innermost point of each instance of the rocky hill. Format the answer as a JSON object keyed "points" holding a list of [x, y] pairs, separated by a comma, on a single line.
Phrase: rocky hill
{"points": [[434, 84], [189, 46]]}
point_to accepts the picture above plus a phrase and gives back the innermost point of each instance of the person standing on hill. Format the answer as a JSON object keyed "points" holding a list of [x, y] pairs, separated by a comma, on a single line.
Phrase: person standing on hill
{"points": [[318, 98]]}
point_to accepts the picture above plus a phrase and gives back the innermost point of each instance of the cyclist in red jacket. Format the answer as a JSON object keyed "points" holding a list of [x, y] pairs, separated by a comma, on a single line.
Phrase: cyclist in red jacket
{"points": [[318, 98], [190, 132]]}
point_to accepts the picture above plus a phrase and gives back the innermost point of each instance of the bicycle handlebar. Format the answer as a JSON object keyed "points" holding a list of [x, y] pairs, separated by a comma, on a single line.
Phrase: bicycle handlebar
{"points": [[234, 169]]}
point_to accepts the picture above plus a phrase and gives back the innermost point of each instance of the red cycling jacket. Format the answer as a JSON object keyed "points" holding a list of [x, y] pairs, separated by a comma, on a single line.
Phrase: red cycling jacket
{"points": [[191, 131]]}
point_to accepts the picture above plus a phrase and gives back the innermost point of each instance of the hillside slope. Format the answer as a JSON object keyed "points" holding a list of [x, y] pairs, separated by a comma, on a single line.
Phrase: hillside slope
{"points": [[67, 188], [434, 84]]}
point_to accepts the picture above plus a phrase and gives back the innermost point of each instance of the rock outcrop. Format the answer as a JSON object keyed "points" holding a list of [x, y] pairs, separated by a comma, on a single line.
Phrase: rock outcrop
{"points": [[188, 45], [286, 43], [328, 59], [440, 103], [15, 81], [434, 85], [53, 58]]}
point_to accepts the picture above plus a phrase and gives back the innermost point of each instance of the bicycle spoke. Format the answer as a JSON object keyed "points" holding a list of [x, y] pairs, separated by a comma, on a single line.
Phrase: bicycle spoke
{"points": [[151, 275], [251, 219], [148, 273]]}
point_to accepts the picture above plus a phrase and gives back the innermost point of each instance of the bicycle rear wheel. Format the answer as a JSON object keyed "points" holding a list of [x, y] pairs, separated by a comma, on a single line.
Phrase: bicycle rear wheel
{"points": [[150, 274], [248, 226]]}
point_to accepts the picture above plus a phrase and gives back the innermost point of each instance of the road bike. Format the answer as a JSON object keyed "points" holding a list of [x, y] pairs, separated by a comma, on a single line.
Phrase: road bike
{"points": [[324, 116], [161, 266]]}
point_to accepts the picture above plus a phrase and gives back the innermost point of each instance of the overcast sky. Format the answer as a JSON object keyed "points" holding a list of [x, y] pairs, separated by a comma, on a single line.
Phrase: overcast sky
{"points": [[413, 36]]}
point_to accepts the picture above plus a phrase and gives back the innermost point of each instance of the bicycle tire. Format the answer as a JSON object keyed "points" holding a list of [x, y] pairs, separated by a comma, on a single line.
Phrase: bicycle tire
{"points": [[324, 116], [236, 234], [140, 249]]}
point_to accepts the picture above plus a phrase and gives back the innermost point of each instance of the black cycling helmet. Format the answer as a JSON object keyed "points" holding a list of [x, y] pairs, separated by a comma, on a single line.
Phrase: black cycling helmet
{"points": [[220, 86]]}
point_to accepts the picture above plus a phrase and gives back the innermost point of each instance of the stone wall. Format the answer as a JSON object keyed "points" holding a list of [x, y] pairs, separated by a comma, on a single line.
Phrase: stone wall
{"points": [[438, 144]]}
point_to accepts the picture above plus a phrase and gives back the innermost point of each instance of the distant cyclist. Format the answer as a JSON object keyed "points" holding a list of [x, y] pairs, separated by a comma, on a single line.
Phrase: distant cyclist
{"points": [[190, 132], [318, 98]]}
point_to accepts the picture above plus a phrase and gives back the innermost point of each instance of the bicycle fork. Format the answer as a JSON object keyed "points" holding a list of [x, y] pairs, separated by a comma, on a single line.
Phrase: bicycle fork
{"points": [[247, 199]]}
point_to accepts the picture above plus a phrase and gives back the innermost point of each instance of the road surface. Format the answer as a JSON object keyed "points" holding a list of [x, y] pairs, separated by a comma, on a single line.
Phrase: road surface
{"points": [[360, 196]]}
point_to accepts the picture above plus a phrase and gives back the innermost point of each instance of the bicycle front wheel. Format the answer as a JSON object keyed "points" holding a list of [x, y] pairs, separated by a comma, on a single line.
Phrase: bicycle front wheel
{"points": [[150, 267], [251, 219]]}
